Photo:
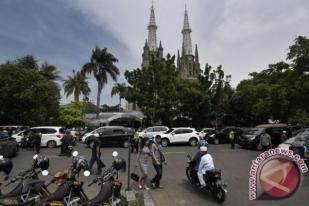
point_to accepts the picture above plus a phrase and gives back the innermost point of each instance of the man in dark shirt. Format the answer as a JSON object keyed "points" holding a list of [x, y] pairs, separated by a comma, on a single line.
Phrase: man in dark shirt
{"points": [[66, 141], [95, 155], [36, 136]]}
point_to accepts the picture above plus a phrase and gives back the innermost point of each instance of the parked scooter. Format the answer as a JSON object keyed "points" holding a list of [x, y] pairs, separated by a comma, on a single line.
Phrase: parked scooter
{"points": [[214, 183], [109, 193], [29, 187], [6, 166], [69, 191]]}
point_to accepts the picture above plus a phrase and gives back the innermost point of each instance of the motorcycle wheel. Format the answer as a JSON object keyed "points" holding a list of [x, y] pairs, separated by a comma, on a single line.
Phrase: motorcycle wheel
{"points": [[219, 195]]}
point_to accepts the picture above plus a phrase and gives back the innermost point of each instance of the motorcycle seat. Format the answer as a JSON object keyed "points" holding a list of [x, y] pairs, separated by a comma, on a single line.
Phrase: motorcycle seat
{"points": [[15, 192]]}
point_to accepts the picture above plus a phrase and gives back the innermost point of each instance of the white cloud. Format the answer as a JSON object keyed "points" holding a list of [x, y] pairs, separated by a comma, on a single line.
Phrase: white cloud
{"points": [[242, 35]]}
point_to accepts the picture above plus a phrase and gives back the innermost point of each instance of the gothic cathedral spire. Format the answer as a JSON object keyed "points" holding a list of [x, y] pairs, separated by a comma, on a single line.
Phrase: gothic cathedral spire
{"points": [[186, 32], [152, 31]]}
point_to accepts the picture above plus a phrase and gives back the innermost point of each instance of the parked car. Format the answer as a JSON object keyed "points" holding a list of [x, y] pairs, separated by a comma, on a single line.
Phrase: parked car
{"points": [[207, 131], [251, 138], [275, 131], [151, 132], [222, 137], [99, 130], [13, 129], [296, 132], [114, 135], [51, 136], [298, 144], [8, 145], [180, 135]]}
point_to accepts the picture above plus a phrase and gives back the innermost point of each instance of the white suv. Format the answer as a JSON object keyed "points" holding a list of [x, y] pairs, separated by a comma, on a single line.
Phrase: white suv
{"points": [[180, 135], [151, 132], [51, 136]]}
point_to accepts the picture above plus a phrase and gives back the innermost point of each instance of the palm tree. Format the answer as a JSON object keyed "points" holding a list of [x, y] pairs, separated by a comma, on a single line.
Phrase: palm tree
{"points": [[120, 90], [76, 84], [49, 72], [102, 64]]}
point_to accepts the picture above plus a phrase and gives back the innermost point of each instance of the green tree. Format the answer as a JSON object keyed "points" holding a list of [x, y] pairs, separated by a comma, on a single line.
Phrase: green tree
{"points": [[27, 62], [72, 114], [26, 97], [50, 72], [119, 89], [76, 84], [101, 65]]}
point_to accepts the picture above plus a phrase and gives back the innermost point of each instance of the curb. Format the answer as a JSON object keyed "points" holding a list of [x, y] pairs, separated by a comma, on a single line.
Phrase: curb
{"points": [[148, 199]]}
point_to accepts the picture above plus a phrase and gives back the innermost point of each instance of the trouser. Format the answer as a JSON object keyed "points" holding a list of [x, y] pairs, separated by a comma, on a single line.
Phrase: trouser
{"points": [[92, 161], [265, 147], [63, 148], [36, 148], [232, 144], [202, 177], [156, 179], [134, 145]]}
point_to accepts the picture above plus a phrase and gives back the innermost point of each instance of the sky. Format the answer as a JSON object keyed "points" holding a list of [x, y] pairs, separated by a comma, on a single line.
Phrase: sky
{"points": [[241, 35]]}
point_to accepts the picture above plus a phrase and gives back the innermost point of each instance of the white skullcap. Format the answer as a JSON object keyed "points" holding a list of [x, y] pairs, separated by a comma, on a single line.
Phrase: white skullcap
{"points": [[203, 149]]}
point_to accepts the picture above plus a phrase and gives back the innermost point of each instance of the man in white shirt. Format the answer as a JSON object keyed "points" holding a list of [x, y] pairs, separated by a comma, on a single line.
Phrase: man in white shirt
{"points": [[206, 164]]}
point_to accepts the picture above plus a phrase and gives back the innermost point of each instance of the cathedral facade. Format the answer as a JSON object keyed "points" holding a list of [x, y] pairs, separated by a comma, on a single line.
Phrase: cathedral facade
{"points": [[187, 64]]}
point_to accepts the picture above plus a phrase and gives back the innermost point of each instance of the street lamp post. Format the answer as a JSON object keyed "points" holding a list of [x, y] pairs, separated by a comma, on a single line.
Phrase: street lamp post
{"points": [[129, 165]]}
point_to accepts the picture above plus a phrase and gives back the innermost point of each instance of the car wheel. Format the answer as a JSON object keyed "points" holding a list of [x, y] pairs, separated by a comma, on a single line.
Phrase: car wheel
{"points": [[258, 146], [164, 142], [193, 142], [126, 144], [216, 141], [51, 144]]}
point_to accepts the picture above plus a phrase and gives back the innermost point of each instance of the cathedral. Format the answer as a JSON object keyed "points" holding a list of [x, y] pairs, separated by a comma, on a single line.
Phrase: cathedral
{"points": [[187, 64]]}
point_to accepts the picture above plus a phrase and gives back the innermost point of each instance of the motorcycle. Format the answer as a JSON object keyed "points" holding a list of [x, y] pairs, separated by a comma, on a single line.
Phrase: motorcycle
{"points": [[29, 187], [110, 185], [70, 190], [25, 143], [214, 184]]}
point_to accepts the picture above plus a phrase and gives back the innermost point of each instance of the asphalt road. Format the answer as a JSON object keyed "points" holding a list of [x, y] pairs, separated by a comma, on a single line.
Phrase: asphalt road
{"points": [[235, 165]]}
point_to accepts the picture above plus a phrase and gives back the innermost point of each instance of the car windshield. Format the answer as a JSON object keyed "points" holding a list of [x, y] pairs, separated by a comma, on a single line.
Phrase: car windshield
{"points": [[169, 131], [254, 131], [290, 141]]}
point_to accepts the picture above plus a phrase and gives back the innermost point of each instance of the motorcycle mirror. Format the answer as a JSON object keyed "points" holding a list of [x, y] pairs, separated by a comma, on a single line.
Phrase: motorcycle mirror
{"points": [[115, 154], [45, 172], [87, 173], [74, 154], [35, 156]]}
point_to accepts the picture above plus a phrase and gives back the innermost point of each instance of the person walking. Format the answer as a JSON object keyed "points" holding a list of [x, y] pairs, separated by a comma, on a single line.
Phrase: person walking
{"points": [[66, 141], [142, 161], [159, 156], [134, 142], [232, 139], [36, 137], [95, 154], [284, 137], [265, 141]]}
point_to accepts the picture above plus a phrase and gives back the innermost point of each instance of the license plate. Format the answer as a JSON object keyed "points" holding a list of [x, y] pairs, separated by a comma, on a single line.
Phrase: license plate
{"points": [[10, 202]]}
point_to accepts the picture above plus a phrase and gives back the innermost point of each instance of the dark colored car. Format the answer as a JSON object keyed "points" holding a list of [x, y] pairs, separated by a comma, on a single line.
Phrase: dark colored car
{"points": [[8, 145], [115, 136], [222, 137], [251, 138]]}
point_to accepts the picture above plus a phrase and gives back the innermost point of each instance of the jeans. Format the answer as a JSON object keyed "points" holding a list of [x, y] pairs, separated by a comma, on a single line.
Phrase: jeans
{"points": [[92, 161], [156, 179]]}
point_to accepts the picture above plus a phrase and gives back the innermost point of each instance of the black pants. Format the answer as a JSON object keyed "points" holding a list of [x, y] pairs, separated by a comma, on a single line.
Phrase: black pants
{"points": [[98, 161], [134, 145], [156, 179], [64, 147], [232, 144], [265, 147], [36, 148]]}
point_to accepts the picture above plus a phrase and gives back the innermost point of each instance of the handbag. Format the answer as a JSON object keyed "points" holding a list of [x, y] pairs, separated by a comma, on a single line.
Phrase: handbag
{"points": [[134, 176]]}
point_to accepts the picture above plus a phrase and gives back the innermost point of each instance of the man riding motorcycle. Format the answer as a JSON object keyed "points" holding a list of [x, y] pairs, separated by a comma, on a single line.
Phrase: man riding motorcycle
{"points": [[206, 164]]}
